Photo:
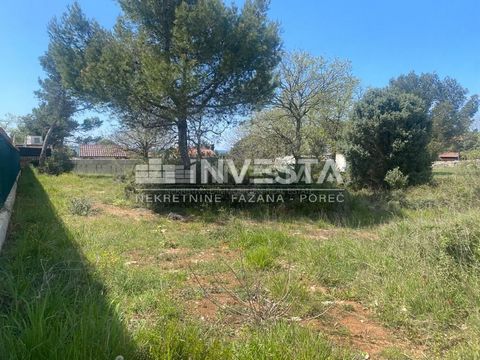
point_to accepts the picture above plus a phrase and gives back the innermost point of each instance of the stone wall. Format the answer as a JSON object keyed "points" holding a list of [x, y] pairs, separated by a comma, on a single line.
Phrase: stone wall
{"points": [[105, 167]]}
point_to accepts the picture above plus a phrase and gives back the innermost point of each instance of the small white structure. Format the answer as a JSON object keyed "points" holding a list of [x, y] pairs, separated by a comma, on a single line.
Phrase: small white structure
{"points": [[341, 162], [283, 162], [34, 140]]}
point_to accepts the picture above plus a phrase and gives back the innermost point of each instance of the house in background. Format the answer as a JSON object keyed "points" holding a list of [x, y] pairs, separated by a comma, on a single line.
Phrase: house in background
{"points": [[206, 152], [31, 149], [449, 156], [102, 152]]}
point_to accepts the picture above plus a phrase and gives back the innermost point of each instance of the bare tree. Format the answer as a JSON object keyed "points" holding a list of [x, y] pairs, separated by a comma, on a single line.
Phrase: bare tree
{"points": [[9, 123], [143, 141], [311, 89], [206, 130]]}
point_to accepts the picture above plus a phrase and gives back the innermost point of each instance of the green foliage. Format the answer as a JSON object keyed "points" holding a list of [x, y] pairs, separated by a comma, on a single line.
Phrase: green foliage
{"points": [[462, 243], [53, 118], [471, 154], [309, 111], [80, 206], [470, 141], [75, 296], [389, 130], [58, 163], [175, 61], [118, 283], [450, 110], [395, 179], [53, 306], [11, 124], [288, 341], [256, 141], [56, 108], [261, 257], [470, 146]]}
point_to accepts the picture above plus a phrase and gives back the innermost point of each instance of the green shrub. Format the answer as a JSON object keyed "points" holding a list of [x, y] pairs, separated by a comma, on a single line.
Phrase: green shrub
{"points": [[471, 155], [261, 257], [395, 179], [80, 207], [58, 163], [389, 130], [462, 243]]}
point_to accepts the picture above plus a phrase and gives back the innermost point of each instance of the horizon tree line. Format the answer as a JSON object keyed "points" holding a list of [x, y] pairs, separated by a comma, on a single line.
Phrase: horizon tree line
{"points": [[192, 69]]}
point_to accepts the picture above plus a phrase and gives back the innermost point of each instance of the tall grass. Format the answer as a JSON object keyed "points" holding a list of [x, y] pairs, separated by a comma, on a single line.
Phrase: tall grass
{"points": [[65, 292], [69, 290], [51, 305]]}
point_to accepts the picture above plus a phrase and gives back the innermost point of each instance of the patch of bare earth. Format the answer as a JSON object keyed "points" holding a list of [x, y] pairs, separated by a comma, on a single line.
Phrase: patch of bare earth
{"points": [[218, 301], [136, 214], [315, 233], [177, 258], [348, 323]]}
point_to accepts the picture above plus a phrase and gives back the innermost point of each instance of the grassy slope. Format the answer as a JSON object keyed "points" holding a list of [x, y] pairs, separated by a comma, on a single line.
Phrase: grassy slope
{"points": [[119, 283]]}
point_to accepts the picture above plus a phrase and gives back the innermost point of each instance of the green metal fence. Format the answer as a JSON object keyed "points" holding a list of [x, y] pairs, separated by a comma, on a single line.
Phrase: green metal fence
{"points": [[9, 166]]}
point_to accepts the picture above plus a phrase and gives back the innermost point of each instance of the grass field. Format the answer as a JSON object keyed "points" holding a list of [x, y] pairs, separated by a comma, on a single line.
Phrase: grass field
{"points": [[394, 276]]}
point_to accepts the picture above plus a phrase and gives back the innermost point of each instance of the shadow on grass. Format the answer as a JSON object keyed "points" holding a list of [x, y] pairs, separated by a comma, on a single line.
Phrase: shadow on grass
{"points": [[359, 209], [52, 306]]}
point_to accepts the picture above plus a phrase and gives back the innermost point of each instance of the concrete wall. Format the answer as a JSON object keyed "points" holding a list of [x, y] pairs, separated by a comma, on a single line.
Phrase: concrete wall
{"points": [[6, 212], [104, 167]]}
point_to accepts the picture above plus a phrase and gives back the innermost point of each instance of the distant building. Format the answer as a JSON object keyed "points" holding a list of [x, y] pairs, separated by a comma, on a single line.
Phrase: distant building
{"points": [[341, 162], [33, 141], [102, 152], [31, 149], [205, 152], [286, 161], [450, 156]]}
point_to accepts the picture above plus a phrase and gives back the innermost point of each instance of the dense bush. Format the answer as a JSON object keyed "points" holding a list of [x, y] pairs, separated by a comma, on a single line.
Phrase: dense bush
{"points": [[58, 163], [80, 207], [463, 244], [471, 155], [389, 130], [395, 179]]}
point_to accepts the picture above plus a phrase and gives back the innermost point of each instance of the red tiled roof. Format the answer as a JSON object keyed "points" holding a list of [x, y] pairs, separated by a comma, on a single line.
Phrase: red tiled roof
{"points": [[450, 155], [102, 151], [206, 152]]}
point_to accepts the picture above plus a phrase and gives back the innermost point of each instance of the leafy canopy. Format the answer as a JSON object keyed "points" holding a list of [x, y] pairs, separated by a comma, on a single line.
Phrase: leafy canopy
{"points": [[390, 130], [451, 111], [173, 60], [311, 105]]}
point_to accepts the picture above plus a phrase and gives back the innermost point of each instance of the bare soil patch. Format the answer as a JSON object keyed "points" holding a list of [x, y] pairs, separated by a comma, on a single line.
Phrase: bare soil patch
{"points": [[349, 323], [137, 214], [178, 258]]}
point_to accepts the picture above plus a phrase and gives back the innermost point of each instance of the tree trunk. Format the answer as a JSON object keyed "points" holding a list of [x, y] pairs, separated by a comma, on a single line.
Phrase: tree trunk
{"points": [[298, 142], [145, 154], [199, 148], [199, 156], [183, 142], [43, 153]]}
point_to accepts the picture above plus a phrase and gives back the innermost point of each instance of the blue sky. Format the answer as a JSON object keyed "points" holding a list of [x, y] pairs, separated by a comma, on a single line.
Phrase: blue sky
{"points": [[382, 39]]}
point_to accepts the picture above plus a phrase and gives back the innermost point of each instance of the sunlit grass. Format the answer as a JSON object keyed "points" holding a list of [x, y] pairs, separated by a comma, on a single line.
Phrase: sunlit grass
{"points": [[119, 281]]}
